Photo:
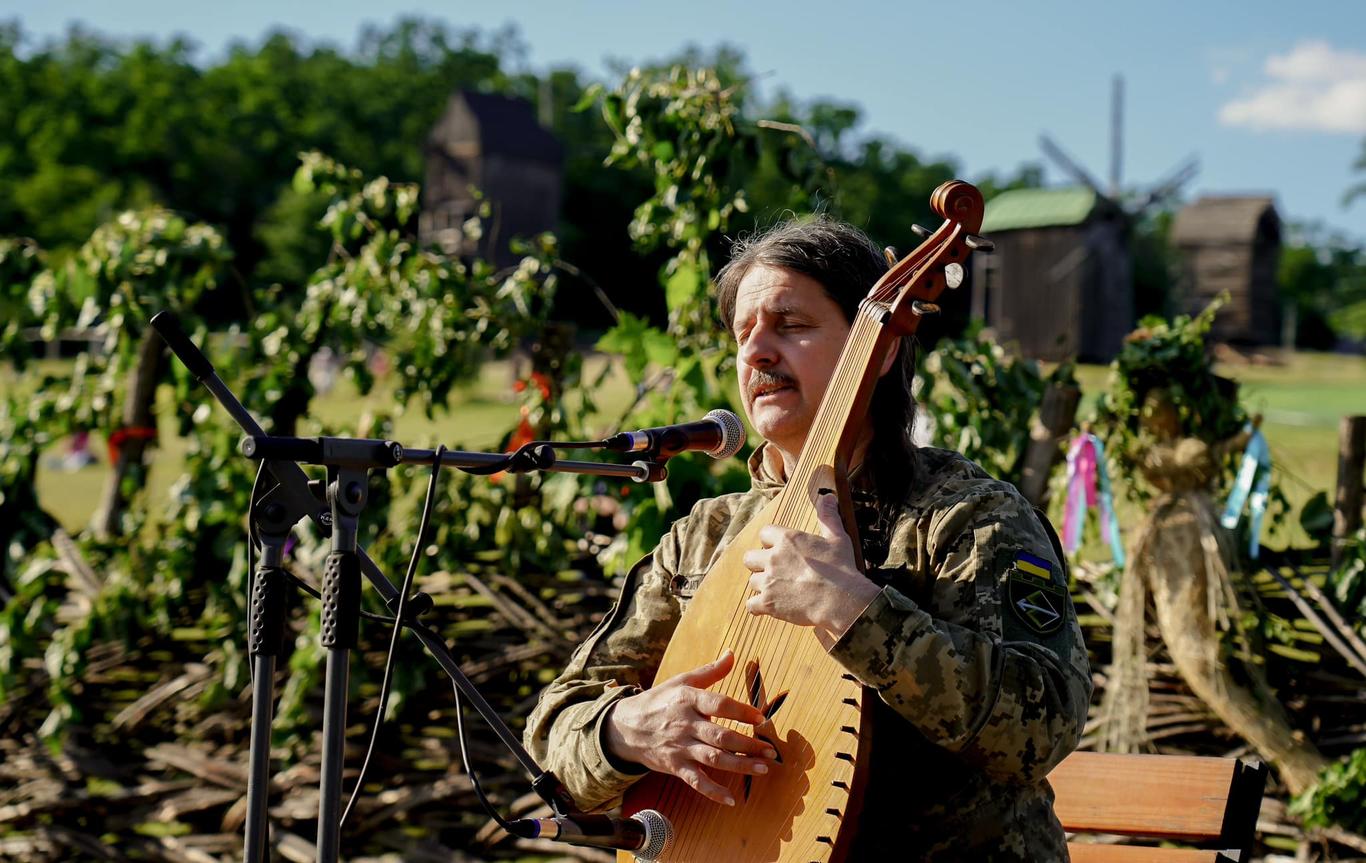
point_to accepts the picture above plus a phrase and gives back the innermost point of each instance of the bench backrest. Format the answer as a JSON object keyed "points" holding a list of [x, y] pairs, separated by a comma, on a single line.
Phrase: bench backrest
{"points": [[1209, 802]]}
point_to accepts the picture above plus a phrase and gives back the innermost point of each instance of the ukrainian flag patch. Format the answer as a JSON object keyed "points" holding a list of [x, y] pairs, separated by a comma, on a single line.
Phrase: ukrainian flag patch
{"points": [[1036, 600], [1034, 565]]}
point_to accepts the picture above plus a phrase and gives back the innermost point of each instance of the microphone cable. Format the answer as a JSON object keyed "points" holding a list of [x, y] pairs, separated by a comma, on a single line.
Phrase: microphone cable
{"points": [[533, 455], [525, 452], [469, 768], [399, 623]]}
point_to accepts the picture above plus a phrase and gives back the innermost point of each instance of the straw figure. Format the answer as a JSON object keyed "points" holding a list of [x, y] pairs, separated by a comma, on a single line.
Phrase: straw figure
{"points": [[1173, 423]]}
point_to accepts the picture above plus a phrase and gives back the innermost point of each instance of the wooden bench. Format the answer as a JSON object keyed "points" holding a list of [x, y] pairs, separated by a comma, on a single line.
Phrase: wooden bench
{"points": [[1210, 803]]}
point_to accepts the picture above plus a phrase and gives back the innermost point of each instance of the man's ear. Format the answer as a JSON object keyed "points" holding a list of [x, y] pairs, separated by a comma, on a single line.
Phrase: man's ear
{"points": [[892, 353]]}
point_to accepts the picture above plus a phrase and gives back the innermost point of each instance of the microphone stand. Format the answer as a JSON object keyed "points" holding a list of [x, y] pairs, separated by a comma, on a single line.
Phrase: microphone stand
{"points": [[274, 515], [348, 462]]}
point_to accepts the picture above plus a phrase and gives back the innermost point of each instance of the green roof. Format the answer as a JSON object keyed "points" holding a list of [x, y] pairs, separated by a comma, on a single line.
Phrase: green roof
{"points": [[1038, 208]]}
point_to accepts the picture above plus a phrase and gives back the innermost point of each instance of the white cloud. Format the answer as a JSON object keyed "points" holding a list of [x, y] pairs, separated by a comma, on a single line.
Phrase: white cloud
{"points": [[1316, 61], [1315, 87]]}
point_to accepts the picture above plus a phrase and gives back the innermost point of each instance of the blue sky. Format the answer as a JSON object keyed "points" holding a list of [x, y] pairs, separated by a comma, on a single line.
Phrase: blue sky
{"points": [[1270, 96]]}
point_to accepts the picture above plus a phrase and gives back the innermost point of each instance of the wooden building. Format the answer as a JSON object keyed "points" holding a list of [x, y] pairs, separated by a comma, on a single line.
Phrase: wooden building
{"points": [[1231, 244], [1060, 283], [494, 145]]}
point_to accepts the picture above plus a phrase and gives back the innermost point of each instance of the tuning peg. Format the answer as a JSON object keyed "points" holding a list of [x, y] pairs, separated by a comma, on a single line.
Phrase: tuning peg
{"points": [[921, 230], [890, 254], [954, 275], [979, 244], [922, 308]]}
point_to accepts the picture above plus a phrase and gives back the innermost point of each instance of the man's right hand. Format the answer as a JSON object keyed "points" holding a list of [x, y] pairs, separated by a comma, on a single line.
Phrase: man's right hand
{"points": [[669, 729]]}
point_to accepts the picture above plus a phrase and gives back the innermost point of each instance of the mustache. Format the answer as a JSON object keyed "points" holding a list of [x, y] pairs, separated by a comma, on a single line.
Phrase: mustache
{"points": [[761, 379]]}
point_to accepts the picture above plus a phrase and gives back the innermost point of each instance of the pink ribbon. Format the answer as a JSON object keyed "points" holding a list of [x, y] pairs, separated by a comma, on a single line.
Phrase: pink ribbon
{"points": [[1081, 489], [1088, 483]]}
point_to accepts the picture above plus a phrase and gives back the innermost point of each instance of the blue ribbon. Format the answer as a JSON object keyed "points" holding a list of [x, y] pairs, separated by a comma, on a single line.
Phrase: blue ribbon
{"points": [[1250, 488]]}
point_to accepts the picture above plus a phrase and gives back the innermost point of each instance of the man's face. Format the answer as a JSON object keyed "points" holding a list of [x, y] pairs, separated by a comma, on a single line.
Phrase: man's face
{"points": [[790, 335]]}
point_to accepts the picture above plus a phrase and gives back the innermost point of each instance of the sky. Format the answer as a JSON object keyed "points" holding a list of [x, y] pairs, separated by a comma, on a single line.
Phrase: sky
{"points": [[1270, 96]]}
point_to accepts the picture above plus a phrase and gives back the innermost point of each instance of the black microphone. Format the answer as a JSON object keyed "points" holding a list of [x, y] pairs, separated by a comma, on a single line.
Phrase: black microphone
{"points": [[720, 435], [647, 832]]}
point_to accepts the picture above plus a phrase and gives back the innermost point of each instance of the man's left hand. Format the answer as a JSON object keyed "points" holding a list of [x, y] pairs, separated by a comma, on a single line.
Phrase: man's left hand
{"points": [[810, 579]]}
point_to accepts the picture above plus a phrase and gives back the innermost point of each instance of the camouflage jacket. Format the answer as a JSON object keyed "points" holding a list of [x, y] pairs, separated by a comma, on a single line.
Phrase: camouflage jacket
{"points": [[972, 646]]}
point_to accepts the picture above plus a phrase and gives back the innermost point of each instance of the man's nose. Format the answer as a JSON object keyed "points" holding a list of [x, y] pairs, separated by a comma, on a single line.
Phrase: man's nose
{"points": [[760, 349]]}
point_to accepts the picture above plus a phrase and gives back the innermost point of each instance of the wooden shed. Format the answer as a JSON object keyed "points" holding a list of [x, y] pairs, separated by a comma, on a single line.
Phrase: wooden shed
{"points": [[492, 144], [1060, 283], [1233, 244]]}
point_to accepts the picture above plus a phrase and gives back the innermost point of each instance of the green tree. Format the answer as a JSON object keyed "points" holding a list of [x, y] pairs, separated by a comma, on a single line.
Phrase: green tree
{"points": [[101, 126], [982, 400], [437, 317], [20, 261], [1155, 263], [1322, 278]]}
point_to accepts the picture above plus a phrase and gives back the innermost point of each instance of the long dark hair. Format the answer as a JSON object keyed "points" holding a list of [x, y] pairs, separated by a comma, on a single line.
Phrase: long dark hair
{"points": [[846, 263]]}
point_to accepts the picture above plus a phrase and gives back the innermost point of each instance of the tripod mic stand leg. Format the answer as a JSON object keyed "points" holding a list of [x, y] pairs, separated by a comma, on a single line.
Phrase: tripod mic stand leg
{"points": [[340, 633], [267, 616], [258, 771], [334, 742]]}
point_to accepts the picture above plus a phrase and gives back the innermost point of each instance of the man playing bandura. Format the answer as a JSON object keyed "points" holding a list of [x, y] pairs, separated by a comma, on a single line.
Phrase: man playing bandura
{"points": [[961, 622]]}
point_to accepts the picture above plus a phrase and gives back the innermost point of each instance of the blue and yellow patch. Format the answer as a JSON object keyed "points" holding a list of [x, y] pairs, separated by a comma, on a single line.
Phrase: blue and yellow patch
{"points": [[1034, 565], [1036, 599]]}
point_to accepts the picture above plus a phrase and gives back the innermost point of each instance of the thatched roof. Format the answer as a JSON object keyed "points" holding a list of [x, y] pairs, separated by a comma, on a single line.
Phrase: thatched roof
{"points": [[1222, 219]]}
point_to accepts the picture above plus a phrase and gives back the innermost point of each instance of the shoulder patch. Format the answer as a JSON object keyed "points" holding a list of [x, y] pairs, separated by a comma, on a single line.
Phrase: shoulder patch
{"points": [[1036, 599]]}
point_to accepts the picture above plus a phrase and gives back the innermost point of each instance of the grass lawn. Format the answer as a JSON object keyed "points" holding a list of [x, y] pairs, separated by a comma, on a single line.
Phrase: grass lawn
{"points": [[1302, 401], [480, 413]]}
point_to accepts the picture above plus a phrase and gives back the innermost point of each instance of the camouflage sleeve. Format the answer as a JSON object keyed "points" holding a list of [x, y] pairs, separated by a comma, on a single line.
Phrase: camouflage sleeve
{"points": [[998, 672], [564, 731]]}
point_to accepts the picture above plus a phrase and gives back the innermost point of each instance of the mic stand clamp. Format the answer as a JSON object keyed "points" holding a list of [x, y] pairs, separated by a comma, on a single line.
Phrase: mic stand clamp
{"points": [[652, 468]]}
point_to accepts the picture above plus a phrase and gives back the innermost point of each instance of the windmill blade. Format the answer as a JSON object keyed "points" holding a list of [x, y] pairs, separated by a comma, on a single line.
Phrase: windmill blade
{"points": [[1171, 184], [1069, 165]]}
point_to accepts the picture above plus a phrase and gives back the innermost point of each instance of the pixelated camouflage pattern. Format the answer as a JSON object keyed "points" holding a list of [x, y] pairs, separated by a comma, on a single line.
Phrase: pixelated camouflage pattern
{"points": [[975, 708]]}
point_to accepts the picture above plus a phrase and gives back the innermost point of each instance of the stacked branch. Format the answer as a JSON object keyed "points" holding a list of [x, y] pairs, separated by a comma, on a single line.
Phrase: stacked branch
{"points": [[157, 766]]}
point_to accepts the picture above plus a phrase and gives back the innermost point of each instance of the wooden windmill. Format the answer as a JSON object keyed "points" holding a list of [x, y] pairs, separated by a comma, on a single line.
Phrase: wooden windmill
{"points": [[1061, 282], [1140, 204]]}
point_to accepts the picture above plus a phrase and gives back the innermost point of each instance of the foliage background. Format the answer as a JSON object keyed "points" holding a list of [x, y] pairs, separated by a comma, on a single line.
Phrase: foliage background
{"points": [[140, 179]]}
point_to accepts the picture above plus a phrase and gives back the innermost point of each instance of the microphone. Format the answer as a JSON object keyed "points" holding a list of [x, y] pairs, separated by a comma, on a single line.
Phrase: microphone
{"points": [[647, 832], [720, 435]]}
